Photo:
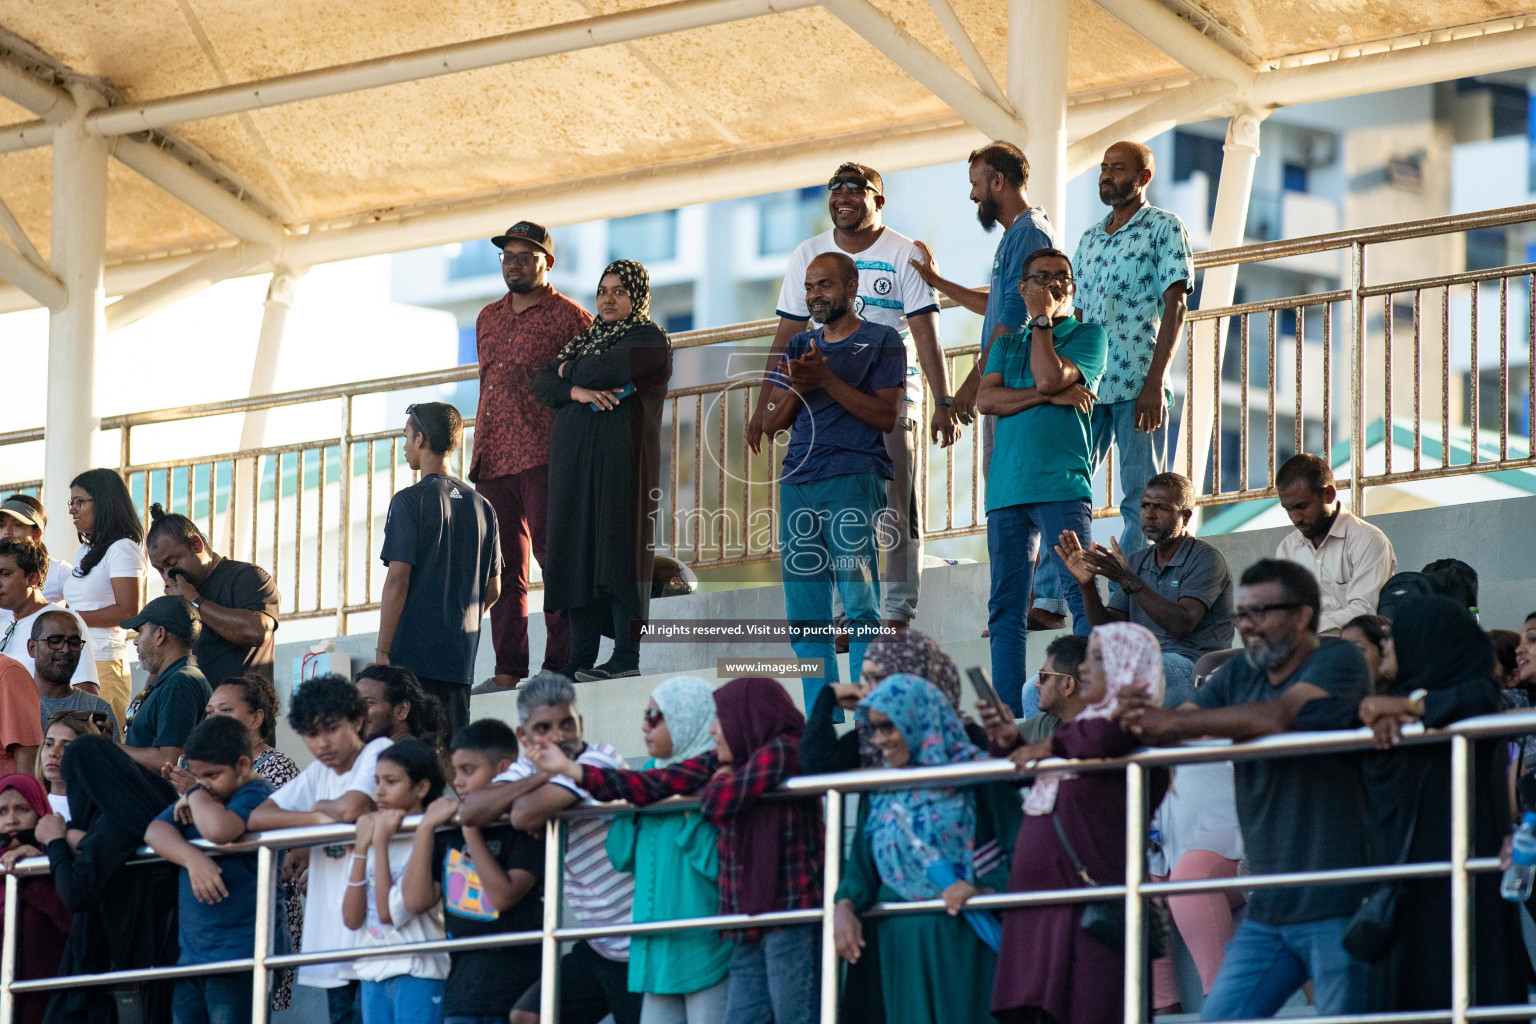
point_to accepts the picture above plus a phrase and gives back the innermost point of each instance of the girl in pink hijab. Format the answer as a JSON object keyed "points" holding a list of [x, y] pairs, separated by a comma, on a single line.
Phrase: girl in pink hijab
{"points": [[1049, 968], [43, 920]]}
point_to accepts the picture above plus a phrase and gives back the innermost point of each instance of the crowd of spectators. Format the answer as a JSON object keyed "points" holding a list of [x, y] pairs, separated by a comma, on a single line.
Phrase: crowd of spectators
{"points": [[1161, 645]]}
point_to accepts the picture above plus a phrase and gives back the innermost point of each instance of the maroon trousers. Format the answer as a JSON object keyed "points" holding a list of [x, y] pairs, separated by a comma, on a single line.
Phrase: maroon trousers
{"points": [[521, 502]]}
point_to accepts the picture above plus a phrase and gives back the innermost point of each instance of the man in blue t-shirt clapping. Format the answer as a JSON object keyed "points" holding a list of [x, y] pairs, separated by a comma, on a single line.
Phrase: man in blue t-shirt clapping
{"points": [[838, 391]]}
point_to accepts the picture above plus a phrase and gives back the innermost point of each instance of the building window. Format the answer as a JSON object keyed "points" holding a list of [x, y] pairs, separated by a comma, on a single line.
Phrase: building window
{"points": [[1487, 248], [468, 351], [473, 259], [679, 322], [1295, 177], [788, 218], [648, 238]]}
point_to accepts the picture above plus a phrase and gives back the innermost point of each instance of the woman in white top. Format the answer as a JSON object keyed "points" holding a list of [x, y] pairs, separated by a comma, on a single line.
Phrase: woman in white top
{"points": [[107, 582]]}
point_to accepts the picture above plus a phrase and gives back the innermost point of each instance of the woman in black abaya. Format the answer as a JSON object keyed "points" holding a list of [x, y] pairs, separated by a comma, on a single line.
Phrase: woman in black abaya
{"points": [[607, 387], [124, 918], [1437, 647]]}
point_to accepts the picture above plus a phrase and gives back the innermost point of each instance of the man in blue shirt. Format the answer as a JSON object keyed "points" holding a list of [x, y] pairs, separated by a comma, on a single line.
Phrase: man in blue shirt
{"points": [[1039, 384], [999, 174], [838, 390], [1134, 275]]}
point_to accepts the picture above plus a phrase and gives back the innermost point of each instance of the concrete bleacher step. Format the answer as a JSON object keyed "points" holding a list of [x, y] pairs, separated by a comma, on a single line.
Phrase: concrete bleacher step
{"points": [[611, 709]]}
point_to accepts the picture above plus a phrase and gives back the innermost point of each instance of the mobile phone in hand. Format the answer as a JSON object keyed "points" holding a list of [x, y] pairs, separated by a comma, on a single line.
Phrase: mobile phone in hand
{"points": [[624, 392], [983, 687]]}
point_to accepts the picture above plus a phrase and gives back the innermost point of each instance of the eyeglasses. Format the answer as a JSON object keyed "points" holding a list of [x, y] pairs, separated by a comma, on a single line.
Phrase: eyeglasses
{"points": [[522, 259], [886, 728], [852, 184], [59, 641], [77, 717], [1061, 675], [654, 717], [1041, 277], [1256, 611], [76, 504]]}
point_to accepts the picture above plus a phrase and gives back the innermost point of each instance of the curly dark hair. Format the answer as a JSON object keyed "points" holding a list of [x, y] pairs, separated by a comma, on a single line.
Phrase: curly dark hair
{"points": [[323, 701], [259, 695]]}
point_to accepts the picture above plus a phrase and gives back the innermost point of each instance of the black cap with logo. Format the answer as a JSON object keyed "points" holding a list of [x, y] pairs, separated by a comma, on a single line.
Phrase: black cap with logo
{"points": [[527, 231]]}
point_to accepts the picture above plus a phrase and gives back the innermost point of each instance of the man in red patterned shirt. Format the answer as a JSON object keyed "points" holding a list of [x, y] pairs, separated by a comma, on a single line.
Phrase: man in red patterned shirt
{"points": [[515, 336]]}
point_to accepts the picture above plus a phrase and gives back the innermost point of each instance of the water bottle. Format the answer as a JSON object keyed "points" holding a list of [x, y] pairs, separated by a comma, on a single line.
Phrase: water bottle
{"points": [[1516, 886]]}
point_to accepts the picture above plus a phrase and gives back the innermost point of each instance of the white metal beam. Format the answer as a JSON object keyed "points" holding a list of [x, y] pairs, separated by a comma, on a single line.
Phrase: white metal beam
{"points": [[1239, 156], [47, 101], [206, 272], [1192, 103], [18, 235], [933, 73], [1397, 69], [1180, 40], [203, 195], [659, 188], [26, 135], [1043, 105], [37, 281], [440, 60], [966, 47], [78, 249]]}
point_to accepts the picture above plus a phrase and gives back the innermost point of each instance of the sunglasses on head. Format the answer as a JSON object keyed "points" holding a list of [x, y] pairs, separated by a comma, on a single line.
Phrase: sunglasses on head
{"points": [[851, 183]]}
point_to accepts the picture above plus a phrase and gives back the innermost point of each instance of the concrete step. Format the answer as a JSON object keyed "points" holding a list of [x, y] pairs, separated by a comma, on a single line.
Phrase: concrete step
{"points": [[611, 709]]}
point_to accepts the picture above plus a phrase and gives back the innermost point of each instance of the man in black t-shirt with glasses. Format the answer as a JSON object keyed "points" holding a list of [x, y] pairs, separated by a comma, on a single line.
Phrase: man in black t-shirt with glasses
{"points": [[444, 566], [237, 602], [1297, 813]]}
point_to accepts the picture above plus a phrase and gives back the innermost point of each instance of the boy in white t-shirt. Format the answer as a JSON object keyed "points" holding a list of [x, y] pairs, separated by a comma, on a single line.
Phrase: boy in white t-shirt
{"points": [[329, 714]]}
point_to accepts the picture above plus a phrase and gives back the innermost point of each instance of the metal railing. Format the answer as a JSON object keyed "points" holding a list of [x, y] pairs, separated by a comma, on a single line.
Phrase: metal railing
{"points": [[312, 511], [1381, 387], [1134, 889]]}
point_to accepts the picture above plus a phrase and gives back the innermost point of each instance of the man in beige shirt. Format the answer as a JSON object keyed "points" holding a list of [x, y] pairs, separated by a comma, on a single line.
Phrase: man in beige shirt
{"points": [[1351, 559]]}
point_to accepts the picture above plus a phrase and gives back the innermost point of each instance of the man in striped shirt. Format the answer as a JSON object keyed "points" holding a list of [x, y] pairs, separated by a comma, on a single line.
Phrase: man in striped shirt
{"points": [[594, 975]]}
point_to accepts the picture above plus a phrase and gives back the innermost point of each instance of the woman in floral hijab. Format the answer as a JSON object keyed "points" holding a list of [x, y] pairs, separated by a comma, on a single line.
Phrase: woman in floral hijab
{"points": [[933, 967]]}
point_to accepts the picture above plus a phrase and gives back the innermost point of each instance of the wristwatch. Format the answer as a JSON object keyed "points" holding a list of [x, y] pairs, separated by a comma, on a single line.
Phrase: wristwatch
{"points": [[944, 400], [1134, 585], [1416, 702], [1042, 321]]}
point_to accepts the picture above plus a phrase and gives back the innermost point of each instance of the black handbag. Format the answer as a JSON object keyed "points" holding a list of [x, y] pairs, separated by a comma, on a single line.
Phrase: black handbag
{"points": [[1373, 925], [1104, 920]]}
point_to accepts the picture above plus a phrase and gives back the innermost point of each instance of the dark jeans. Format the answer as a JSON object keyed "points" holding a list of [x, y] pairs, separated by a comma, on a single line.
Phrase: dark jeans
{"points": [[588, 623], [591, 987], [455, 700], [1015, 534], [521, 502], [344, 1004], [216, 999]]}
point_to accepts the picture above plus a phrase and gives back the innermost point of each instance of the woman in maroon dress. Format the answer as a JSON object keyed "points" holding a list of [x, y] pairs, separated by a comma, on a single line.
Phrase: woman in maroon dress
{"points": [[1051, 971]]}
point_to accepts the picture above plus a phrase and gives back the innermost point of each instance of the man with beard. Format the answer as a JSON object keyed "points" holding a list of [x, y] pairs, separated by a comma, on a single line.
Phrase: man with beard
{"points": [[57, 639], [999, 174], [890, 292], [1351, 559], [594, 974], [1180, 588], [1296, 813], [1134, 273], [514, 337], [837, 391]]}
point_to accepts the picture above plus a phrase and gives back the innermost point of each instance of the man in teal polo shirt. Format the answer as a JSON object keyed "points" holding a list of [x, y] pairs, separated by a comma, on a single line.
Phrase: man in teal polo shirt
{"points": [[1040, 385]]}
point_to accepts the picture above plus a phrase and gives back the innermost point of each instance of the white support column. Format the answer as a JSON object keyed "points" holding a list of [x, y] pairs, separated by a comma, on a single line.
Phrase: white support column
{"points": [[1239, 155], [75, 328], [1037, 89], [253, 430]]}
